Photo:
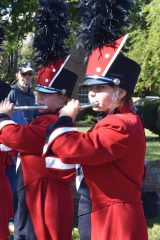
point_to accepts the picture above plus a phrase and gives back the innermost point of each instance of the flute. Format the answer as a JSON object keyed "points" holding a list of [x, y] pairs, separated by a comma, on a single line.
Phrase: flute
{"points": [[36, 107], [85, 106]]}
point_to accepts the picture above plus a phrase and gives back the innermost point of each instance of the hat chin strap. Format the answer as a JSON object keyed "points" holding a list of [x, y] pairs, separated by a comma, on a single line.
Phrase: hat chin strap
{"points": [[112, 105]]}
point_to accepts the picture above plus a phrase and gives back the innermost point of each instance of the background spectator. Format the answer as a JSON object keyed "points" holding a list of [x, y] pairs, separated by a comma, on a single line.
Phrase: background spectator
{"points": [[21, 93]]}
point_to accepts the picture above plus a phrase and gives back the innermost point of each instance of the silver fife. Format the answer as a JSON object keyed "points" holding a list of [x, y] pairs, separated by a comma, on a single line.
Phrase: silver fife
{"points": [[89, 105], [82, 107], [30, 107]]}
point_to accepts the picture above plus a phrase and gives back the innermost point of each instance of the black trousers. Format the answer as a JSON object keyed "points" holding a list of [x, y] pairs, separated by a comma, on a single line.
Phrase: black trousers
{"points": [[84, 226], [84, 218]]}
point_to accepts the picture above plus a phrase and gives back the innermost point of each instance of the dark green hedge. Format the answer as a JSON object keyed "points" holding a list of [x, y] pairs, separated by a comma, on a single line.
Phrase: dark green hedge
{"points": [[149, 110], [88, 116]]}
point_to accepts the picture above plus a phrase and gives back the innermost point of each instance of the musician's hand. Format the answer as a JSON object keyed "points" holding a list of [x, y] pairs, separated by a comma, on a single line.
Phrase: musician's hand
{"points": [[6, 107], [71, 109]]}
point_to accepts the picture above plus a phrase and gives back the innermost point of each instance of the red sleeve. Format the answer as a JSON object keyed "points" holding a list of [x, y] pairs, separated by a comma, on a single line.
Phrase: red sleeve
{"points": [[28, 138], [103, 144]]}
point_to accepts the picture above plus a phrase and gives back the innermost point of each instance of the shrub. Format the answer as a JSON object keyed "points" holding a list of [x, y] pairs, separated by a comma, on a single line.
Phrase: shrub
{"points": [[90, 119], [87, 112], [149, 110], [86, 117]]}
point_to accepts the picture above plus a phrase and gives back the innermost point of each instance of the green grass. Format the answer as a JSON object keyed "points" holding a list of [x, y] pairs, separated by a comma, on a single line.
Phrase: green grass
{"points": [[153, 146], [152, 154], [83, 129]]}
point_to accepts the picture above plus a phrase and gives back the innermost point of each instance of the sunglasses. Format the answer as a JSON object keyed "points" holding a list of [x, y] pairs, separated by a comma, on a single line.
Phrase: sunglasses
{"points": [[27, 74]]}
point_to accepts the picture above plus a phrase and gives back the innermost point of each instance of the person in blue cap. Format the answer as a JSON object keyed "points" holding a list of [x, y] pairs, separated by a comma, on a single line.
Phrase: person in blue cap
{"points": [[21, 93]]}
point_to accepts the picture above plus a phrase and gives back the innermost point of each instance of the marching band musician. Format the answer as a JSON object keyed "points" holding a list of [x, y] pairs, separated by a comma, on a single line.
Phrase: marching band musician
{"points": [[6, 199], [47, 187], [48, 193], [111, 154]]}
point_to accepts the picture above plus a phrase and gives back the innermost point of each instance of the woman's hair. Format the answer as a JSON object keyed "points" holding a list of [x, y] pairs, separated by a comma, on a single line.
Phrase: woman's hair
{"points": [[127, 99], [126, 104]]}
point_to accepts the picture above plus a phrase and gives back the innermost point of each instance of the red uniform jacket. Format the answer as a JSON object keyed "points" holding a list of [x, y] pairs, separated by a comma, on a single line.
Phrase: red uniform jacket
{"points": [[6, 198], [48, 192], [112, 157]]}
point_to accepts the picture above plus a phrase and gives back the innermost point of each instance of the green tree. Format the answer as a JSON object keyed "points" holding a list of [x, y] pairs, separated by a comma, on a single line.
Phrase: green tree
{"points": [[144, 46], [18, 19]]}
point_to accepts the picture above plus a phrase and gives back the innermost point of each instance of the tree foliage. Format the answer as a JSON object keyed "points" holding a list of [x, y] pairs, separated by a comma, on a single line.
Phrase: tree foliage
{"points": [[144, 46], [18, 19]]}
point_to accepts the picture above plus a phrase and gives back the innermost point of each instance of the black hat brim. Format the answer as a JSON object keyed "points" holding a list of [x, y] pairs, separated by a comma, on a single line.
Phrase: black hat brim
{"points": [[93, 80], [44, 89]]}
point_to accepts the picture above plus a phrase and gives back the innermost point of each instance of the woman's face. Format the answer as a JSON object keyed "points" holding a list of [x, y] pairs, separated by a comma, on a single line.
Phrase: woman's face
{"points": [[53, 101], [104, 95]]}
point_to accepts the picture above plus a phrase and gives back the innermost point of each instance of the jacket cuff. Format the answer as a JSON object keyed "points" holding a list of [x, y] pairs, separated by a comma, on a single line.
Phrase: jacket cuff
{"points": [[63, 125], [64, 121], [4, 116]]}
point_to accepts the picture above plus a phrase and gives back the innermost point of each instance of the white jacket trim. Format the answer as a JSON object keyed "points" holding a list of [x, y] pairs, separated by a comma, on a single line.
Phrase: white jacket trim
{"points": [[4, 148], [54, 162], [57, 132], [5, 123]]}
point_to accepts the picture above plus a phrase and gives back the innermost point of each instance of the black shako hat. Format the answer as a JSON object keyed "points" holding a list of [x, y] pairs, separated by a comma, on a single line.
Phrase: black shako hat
{"points": [[103, 39], [4, 90], [52, 52], [126, 70], [56, 79], [123, 72], [109, 66], [4, 87]]}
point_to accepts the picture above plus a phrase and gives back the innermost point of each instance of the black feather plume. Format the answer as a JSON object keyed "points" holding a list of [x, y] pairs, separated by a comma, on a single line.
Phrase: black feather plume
{"points": [[2, 35], [52, 22], [103, 22]]}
